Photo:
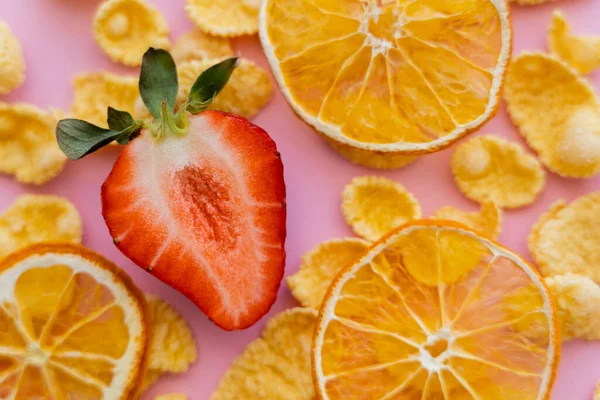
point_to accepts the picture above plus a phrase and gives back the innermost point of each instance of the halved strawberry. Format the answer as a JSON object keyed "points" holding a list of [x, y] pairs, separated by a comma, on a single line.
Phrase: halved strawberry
{"points": [[197, 198]]}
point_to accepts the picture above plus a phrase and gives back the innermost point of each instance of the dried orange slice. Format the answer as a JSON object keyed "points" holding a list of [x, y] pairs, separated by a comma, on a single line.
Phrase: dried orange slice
{"points": [[409, 321], [72, 325], [389, 77]]}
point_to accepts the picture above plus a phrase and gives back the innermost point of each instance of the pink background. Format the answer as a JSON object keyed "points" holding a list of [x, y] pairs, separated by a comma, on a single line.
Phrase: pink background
{"points": [[58, 43]]}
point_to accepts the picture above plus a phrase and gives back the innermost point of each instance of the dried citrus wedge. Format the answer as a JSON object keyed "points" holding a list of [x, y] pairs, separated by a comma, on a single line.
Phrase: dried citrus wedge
{"points": [[389, 77], [72, 326], [412, 320]]}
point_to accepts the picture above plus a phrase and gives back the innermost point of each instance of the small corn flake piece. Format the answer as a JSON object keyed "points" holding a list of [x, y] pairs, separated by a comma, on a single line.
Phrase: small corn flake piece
{"points": [[531, 2], [597, 392], [578, 302], [28, 147], [488, 168], [12, 63], [565, 239], [320, 266], [37, 219], [172, 348], [150, 379], [247, 92], [557, 113], [224, 17], [487, 221], [374, 205], [172, 396], [95, 91], [370, 159], [276, 366], [197, 45], [580, 52], [125, 29]]}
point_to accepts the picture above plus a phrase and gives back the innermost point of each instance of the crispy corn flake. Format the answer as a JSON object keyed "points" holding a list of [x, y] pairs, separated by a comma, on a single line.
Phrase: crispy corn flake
{"points": [[531, 2], [276, 366], [597, 392], [172, 396], [12, 63], [370, 159], [28, 147], [320, 266], [577, 299], [223, 17], [197, 45], [374, 205], [37, 219], [580, 52], [125, 29], [172, 348], [487, 221], [557, 113], [489, 168], [150, 379], [247, 92], [95, 91], [565, 239]]}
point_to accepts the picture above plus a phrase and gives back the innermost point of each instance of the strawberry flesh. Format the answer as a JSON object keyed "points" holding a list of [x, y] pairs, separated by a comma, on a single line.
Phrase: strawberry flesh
{"points": [[204, 213]]}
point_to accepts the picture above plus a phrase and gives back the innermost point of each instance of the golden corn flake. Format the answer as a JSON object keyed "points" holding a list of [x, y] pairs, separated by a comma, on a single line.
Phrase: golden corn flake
{"points": [[37, 219], [197, 45], [320, 266], [28, 147], [556, 112], [577, 299], [225, 17], [247, 92], [580, 52], [150, 379], [12, 63], [172, 348], [276, 366], [531, 2], [370, 159], [95, 91], [597, 392], [172, 396], [374, 205], [125, 29], [488, 168], [487, 221], [565, 239]]}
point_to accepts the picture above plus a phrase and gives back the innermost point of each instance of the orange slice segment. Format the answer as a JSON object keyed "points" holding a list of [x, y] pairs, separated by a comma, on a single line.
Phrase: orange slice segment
{"points": [[436, 324], [392, 77], [72, 326]]}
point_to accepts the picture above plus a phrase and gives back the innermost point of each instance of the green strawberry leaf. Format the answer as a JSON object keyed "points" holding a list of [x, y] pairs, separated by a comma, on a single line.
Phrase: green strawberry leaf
{"points": [[158, 80], [77, 138], [119, 120], [209, 84]]}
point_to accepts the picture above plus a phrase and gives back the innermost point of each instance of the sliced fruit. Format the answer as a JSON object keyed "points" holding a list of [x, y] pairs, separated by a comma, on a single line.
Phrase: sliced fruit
{"points": [[489, 168], [390, 78], [414, 319], [12, 63], [565, 238], [73, 326], [557, 112], [580, 52], [320, 266], [198, 46], [277, 365], [486, 222], [374, 205], [36, 219], [224, 18]]}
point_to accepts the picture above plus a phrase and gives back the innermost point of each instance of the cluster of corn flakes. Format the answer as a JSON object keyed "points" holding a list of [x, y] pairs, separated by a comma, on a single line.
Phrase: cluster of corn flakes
{"points": [[12, 63]]}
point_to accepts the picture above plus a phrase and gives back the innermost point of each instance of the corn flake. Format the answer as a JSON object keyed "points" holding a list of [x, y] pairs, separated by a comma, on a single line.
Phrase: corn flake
{"points": [[488, 168], [487, 221], [197, 45], [223, 17], [565, 239], [12, 63], [578, 302], [28, 147], [557, 113], [172, 396], [150, 378], [95, 91], [370, 159], [597, 392], [276, 366], [172, 348], [246, 93], [125, 29], [531, 2], [36, 219], [374, 205], [580, 52], [320, 266]]}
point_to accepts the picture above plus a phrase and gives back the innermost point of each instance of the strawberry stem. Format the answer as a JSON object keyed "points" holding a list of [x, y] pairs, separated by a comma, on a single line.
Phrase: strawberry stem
{"points": [[169, 124]]}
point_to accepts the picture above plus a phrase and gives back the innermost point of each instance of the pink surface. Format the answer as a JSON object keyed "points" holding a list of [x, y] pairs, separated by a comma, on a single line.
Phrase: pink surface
{"points": [[58, 43]]}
